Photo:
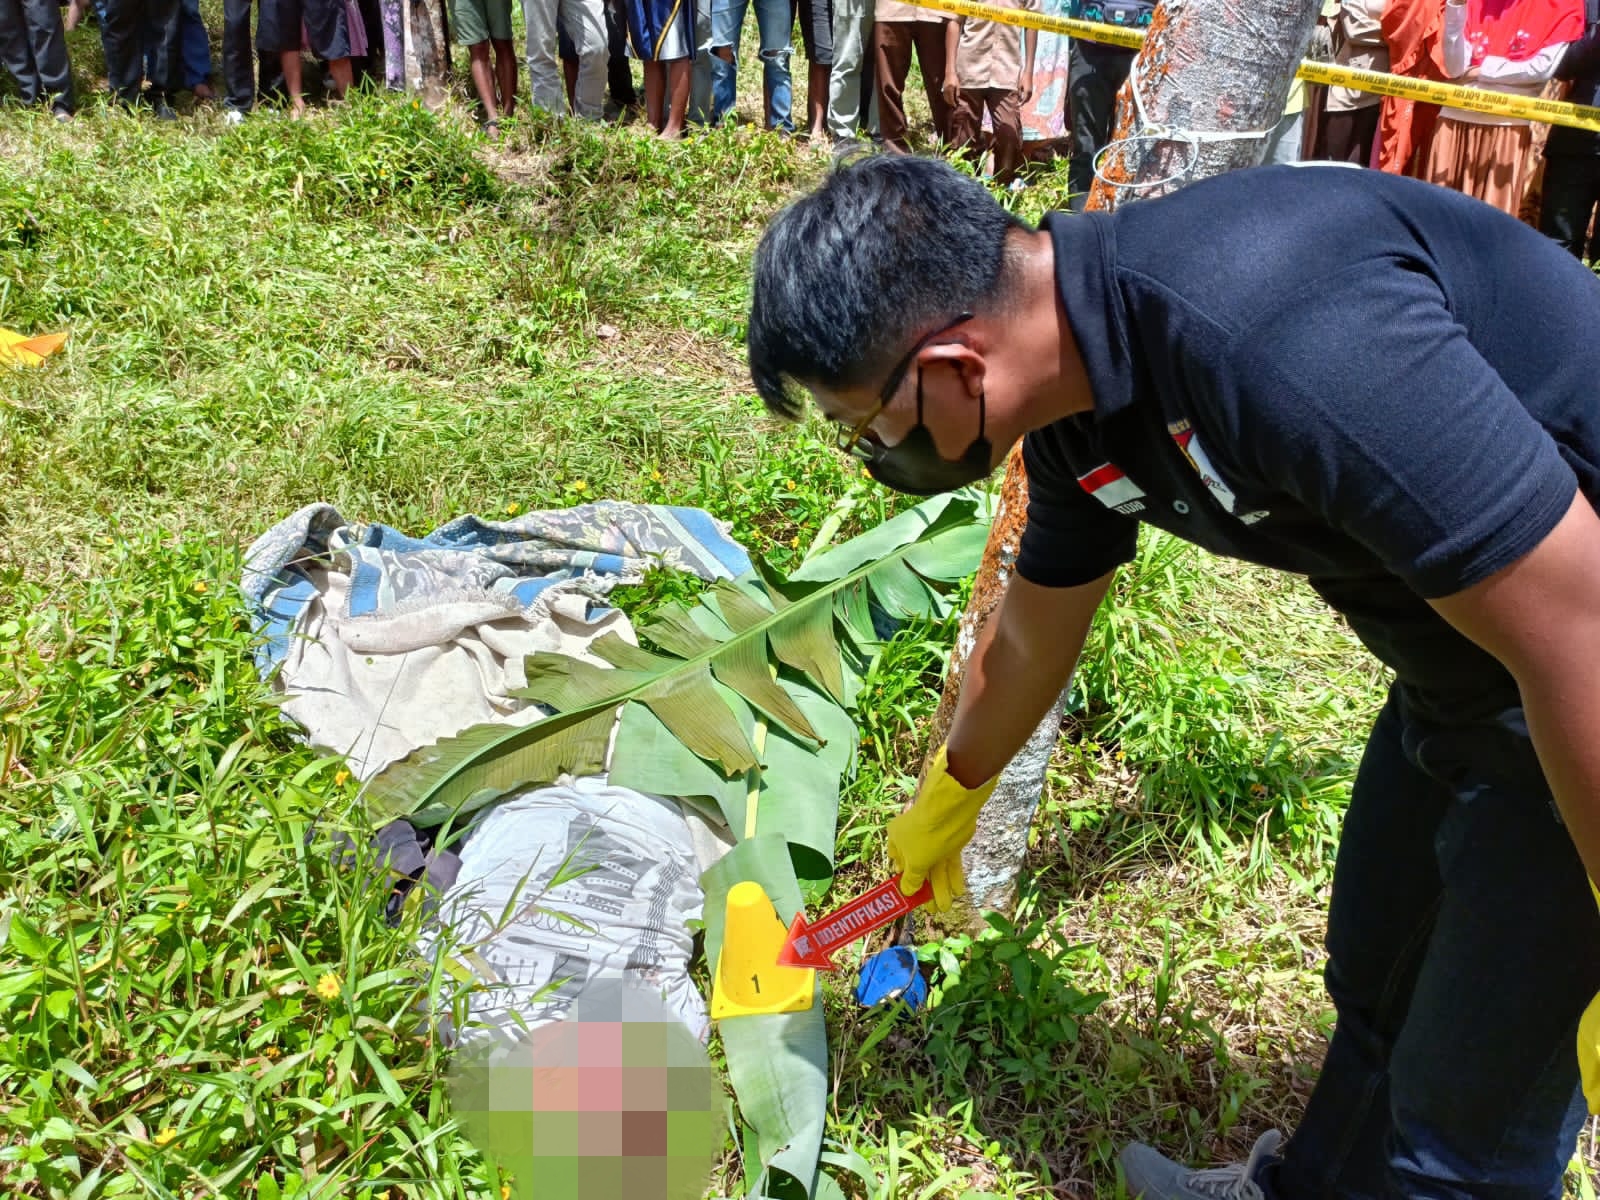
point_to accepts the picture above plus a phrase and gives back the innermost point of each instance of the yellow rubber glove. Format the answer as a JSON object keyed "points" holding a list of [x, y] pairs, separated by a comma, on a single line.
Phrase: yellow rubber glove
{"points": [[1589, 1045], [925, 841]]}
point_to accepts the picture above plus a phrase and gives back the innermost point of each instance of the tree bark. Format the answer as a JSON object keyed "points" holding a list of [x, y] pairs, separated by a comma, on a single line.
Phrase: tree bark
{"points": [[427, 50], [1206, 65]]}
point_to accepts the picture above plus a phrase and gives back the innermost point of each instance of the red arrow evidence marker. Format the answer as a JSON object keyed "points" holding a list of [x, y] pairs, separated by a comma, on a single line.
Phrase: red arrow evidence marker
{"points": [[814, 945]]}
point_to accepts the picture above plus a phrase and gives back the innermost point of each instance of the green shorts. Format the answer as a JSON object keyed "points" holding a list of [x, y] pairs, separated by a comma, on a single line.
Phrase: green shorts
{"points": [[474, 21]]}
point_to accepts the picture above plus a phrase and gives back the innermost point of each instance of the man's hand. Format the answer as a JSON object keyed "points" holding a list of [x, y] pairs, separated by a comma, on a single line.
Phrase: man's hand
{"points": [[1025, 85], [926, 840], [952, 88]]}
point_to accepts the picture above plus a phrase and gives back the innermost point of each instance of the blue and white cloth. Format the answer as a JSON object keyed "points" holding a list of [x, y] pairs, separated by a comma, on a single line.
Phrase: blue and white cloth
{"points": [[383, 642]]}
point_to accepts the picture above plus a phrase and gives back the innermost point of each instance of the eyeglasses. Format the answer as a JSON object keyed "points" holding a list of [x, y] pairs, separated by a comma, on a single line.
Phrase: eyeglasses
{"points": [[849, 438]]}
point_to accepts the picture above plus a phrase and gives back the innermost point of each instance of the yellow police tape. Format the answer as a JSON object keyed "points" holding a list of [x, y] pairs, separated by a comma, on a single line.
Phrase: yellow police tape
{"points": [[1450, 95]]}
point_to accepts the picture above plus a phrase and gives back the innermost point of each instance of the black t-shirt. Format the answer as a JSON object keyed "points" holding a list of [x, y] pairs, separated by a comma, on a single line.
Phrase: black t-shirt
{"points": [[1373, 382]]}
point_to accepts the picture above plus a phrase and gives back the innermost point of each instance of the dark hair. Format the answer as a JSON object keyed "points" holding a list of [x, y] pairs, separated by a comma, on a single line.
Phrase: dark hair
{"points": [[848, 276]]}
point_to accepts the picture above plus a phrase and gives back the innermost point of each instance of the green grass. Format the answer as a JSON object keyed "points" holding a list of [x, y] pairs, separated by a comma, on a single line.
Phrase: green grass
{"points": [[375, 309]]}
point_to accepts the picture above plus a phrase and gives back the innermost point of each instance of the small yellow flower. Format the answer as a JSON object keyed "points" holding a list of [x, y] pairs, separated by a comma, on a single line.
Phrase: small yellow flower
{"points": [[655, 476], [183, 904], [505, 1191], [794, 542], [512, 508], [165, 1136], [866, 474], [341, 777], [200, 586], [578, 485], [328, 986], [789, 483], [270, 1052], [1258, 790]]}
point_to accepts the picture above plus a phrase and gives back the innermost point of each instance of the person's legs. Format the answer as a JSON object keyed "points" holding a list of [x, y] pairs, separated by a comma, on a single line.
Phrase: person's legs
{"points": [[619, 75], [394, 46], [238, 57], [38, 52], [1095, 73], [1460, 957], [505, 72], [928, 37], [290, 62], [165, 70], [16, 51], [585, 23], [1005, 113], [775, 25], [816, 33], [891, 62], [655, 90], [1484, 1078], [677, 98], [727, 22], [850, 82], [194, 50], [700, 76], [1386, 893], [122, 33], [1568, 201], [1283, 143], [546, 89], [483, 80], [325, 22], [966, 120]]}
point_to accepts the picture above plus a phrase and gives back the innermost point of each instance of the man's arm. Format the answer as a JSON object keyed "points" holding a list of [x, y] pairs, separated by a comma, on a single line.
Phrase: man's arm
{"points": [[1024, 657], [1541, 618]]}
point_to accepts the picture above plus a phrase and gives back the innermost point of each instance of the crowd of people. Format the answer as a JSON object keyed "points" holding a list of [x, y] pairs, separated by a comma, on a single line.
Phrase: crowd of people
{"points": [[997, 92]]}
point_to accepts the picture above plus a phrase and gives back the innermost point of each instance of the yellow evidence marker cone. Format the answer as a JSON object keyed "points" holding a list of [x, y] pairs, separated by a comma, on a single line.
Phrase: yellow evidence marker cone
{"points": [[748, 979], [29, 351]]}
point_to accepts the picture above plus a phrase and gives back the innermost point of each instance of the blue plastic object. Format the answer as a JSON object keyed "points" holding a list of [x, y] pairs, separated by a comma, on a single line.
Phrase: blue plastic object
{"points": [[890, 975]]}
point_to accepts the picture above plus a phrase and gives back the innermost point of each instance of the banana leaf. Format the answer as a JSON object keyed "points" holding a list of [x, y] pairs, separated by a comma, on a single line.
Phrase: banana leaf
{"points": [[777, 1062], [797, 789], [734, 639]]}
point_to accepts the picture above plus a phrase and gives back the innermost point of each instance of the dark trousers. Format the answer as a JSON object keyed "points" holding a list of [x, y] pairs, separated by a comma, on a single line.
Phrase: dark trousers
{"points": [[1571, 195], [1094, 74], [1463, 945], [892, 44], [1348, 136], [245, 81], [619, 74], [1005, 112], [123, 32], [33, 47]]}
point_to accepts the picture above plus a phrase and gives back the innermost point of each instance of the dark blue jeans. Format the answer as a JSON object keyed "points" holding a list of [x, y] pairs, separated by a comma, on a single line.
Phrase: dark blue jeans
{"points": [[1463, 946]]}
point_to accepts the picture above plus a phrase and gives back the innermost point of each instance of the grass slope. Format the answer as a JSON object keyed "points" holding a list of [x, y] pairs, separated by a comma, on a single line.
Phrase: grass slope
{"points": [[371, 309]]}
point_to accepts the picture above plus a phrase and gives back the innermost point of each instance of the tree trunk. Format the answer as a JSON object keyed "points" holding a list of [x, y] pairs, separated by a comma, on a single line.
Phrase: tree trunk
{"points": [[427, 50], [1206, 65]]}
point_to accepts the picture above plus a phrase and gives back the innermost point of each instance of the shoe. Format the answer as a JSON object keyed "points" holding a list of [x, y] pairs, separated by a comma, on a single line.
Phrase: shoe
{"points": [[61, 114], [1153, 1175], [233, 117], [163, 111]]}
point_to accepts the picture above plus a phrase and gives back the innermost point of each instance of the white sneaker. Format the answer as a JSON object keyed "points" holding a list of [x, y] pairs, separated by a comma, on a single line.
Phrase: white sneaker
{"points": [[1154, 1176], [233, 116]]}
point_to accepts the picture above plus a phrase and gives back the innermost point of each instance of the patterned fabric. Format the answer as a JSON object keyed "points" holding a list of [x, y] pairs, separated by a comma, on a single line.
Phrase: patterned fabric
{"points": [[1044, 118], [512, 560]]}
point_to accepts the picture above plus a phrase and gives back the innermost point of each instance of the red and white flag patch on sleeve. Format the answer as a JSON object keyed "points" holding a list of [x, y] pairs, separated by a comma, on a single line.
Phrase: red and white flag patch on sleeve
{"points": [[1109, 485]]}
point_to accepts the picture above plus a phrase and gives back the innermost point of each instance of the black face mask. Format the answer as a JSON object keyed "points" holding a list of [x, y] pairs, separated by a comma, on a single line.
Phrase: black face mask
{"points": [[914, 466]]}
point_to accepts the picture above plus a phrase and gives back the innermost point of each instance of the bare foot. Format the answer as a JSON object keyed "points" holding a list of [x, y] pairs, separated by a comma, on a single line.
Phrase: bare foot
{"points": [[75, 13], [297, 110], [204, 91]]}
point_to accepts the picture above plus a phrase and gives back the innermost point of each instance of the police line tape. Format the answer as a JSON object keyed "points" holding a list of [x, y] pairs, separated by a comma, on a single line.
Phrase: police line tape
{"points": [[1447, 95]]}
